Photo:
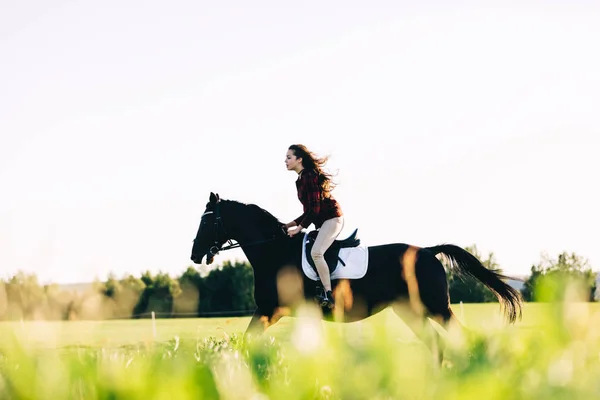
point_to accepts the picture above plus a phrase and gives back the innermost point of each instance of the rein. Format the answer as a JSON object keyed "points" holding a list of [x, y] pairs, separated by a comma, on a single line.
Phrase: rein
{"points": [[217, 247], [232, 245]]}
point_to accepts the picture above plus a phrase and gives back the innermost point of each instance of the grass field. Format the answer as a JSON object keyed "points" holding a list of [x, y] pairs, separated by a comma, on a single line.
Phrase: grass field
{"points": [[554, 352]]}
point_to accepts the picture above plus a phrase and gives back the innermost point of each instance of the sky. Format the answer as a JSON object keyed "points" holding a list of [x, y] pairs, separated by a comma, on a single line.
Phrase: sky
{"points": [[473, 123]]}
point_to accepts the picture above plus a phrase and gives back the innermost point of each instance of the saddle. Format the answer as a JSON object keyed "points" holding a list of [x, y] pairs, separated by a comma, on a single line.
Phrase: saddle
{"points": [[332, 253]]}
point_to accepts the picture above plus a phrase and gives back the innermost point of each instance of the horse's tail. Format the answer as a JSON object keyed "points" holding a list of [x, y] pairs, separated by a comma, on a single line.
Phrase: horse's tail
{"points": [[465, 263]]}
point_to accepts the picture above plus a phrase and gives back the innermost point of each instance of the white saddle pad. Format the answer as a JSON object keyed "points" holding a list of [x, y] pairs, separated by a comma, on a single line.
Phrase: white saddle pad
{"points": [[356, 259]]}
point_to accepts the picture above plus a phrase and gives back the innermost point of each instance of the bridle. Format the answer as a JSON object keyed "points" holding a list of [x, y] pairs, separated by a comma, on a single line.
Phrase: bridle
{"points": [[219, 225], [217, 246]]}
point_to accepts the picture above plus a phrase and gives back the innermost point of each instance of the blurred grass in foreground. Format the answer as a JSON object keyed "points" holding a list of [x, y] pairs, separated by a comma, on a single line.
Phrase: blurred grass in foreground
{"points": [[552, 354]]}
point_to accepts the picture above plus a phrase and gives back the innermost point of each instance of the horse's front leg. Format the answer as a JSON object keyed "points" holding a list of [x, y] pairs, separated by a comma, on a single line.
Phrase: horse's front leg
{"points": [[260, 321], [257, 325]]}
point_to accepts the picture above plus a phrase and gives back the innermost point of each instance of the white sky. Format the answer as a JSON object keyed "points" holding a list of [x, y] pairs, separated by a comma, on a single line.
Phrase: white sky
{"points": [[469, 124]]}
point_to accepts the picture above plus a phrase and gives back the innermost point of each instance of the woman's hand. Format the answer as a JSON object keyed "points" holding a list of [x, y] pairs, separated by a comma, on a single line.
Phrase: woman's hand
{"points": [[295, 231], [286, 227]]}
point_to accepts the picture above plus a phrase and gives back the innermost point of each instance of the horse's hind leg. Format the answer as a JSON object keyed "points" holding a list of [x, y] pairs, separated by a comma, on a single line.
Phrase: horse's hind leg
{"points": [[427, 286], [434, 295], [447, 320], [415, 313], [414, 320], [420, 326], [433, 290]]}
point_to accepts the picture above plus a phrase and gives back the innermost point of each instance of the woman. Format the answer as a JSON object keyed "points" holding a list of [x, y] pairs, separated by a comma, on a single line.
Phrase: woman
{"points": [[320, 208]]}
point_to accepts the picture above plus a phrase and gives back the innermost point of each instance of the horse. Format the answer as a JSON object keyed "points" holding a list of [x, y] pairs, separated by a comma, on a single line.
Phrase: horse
{"points": [[409, 278]]}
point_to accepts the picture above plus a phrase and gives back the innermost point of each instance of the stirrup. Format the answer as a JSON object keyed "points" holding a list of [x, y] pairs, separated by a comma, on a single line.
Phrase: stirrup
{"points": [[326, 299]]}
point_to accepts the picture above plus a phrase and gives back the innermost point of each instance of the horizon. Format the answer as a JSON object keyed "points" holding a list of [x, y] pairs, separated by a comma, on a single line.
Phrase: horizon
{"points": [[463, 123]]}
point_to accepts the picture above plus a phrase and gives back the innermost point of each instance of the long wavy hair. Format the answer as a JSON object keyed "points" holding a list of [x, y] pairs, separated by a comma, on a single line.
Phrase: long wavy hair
{"points": [[310, 160]]}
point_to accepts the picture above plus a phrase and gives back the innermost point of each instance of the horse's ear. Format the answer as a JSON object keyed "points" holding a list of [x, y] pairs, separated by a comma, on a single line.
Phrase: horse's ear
{"points": [[214, 198]]}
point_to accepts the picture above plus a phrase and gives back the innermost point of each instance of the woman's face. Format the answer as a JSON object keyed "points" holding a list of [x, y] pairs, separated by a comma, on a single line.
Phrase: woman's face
{"points": [[292, 162]]}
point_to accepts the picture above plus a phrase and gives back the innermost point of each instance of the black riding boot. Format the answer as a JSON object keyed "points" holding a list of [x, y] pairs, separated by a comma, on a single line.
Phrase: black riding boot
{"points": [[326, 298]]}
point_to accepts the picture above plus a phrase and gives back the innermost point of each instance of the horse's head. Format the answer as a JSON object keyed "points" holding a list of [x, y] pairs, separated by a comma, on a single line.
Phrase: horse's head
{"points": [[211, 233], [248, 224]]}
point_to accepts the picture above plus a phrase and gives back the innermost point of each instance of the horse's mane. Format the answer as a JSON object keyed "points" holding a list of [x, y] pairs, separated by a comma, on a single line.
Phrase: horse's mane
{"points": [[265, 218]]}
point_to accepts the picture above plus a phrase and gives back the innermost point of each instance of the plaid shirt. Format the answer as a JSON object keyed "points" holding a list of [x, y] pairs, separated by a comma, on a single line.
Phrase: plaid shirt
{"points": [[316, 209]]}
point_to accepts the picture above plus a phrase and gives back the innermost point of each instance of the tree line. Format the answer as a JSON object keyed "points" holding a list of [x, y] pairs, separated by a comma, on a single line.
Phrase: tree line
{"points": [[228, 290]]}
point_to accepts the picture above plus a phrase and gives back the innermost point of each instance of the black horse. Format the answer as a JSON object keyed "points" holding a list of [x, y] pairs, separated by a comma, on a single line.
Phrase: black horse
{"points": [[410, 279]]}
